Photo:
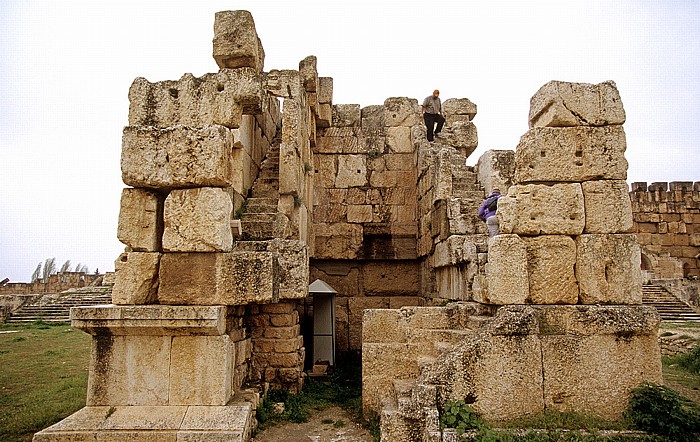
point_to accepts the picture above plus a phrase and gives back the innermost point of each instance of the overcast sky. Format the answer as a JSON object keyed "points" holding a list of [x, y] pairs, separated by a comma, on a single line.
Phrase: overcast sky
{"points": [[66, 68]]}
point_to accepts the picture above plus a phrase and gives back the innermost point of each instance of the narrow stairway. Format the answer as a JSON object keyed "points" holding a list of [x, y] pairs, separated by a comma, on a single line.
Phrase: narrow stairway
{"points": [[56, 308], [260, 219], [670, 308]]}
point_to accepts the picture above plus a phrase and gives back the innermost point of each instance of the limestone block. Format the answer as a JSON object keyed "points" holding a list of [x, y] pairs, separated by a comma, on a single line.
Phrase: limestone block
{"points": [[401, 111], [234, 278], [290, 169], [137, 280], [571, 154], [506, 271], [213, 99], [608, 206], [535, 209], [325, 90], [201, 370], [236, 43], [346, 115], [576, 375], [324, 115], [338, 240], [141, 220], [352, 171], [559, 104], [496, 169], [462, 136], [398, 278], [457, 249], [309, 73], [293, 263], [359, 214], [129, 370], [383, 326], [608, 269], [459, 106], [294, 129], [150, 320], [373, 117], [398, 139], [283, 83], [198, 220], [382, 364], [550, 263], [176, 157]]}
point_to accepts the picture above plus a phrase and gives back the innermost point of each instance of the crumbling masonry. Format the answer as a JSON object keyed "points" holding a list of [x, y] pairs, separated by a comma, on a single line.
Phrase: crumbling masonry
{"points": [[244, 185]]}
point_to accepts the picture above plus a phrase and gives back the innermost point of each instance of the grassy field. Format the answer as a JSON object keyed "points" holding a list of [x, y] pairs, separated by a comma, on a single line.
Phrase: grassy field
{"points": [[43, 376]]}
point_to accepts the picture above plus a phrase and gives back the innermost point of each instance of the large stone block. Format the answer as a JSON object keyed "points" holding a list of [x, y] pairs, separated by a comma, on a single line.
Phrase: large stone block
{"points": [[455, 107], [559, 103], [338, 240], [137, 279], [495, 169], [309, 73], [198, 220], [293, 259], [283, 83], [398, 139], [551, 260], [234, 278], [176, 157], [129, 370], [506, 271], [382, 364], [593, 356], [572, 154], [461, 135], [201, 370], [401, 111], [608, 206], [352, 171], [391, 278], [236, 43], [346, 115], [538, 209], [141, 220], [325, 91], [213, 99], [608, 269]]}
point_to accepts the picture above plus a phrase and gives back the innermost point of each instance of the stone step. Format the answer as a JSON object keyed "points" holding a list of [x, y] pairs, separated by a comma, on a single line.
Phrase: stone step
{"points": [[261, 205], [670, 308]]}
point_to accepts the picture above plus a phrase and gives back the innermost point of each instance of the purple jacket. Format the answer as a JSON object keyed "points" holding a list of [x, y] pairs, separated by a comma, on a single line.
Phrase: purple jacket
{"points": [[484, 211]]}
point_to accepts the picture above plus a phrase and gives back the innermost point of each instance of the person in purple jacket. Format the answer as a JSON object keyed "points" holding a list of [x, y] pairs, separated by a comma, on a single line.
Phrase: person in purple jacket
{"points": [[487, 212]]}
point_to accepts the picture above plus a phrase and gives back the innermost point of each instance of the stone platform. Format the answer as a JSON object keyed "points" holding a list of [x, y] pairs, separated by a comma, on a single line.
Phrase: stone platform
{"points": [[233, 423]]}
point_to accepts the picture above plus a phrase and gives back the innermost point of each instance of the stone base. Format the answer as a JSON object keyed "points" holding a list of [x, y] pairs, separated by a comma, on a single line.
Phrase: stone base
{"points": [[233, 422]]}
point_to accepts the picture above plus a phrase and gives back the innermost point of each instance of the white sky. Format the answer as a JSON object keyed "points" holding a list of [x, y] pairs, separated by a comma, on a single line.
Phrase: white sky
{"points": [[66, 68]]}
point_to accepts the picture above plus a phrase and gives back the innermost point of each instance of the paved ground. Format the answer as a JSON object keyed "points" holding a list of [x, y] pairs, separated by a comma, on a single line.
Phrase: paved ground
{"points": [[330, 425]]}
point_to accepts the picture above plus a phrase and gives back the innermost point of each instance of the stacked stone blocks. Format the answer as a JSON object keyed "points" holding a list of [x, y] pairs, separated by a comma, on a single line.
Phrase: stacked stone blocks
{"points": [[565, 223], [667, 223]]}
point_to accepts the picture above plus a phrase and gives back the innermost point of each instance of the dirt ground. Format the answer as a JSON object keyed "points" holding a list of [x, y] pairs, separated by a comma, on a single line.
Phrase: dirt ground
{"points": [[330, 425]]}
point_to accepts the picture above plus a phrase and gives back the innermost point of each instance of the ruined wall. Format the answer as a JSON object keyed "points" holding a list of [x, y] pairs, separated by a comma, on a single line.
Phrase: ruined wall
{"points": [[667, 223], [57, 283]]}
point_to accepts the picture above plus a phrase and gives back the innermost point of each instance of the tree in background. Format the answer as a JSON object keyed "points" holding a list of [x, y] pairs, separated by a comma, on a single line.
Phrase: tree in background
{"points": [[37, 273], [65, 267], [49, 268]]}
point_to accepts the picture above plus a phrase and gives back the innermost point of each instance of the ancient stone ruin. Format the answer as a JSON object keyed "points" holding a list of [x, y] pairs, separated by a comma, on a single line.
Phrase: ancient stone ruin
{"points": [[245, 185]]}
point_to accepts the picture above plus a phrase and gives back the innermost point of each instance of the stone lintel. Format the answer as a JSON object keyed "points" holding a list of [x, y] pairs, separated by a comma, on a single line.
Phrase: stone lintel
{"points": [[151, 320]]}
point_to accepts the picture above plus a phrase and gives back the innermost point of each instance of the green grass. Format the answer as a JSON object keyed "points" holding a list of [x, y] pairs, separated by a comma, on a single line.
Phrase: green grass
{"points": [[43, 377]]}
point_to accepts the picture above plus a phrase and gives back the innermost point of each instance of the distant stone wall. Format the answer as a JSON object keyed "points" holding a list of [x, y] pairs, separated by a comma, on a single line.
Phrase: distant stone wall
{"points": [[667, 223], [57, 283]]}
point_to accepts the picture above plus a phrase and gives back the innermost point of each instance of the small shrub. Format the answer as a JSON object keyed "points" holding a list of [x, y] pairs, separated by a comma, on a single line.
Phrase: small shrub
{"points": [[689, 361], [460, 416], [660, 410]]}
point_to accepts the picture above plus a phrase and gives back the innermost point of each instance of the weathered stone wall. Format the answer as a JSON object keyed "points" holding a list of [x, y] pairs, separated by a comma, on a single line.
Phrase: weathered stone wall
{"points": [[667, 223], [55, 284]]}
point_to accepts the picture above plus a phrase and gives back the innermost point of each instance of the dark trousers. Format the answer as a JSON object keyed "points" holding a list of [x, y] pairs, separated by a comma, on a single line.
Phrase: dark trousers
{"points": [[430, 120]]}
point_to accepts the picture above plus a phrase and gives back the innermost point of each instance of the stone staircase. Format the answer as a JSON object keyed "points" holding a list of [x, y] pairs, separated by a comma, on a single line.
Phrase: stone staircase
{"points": [[670, 308], [261, 219], [406, 342], [56, 308]]}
